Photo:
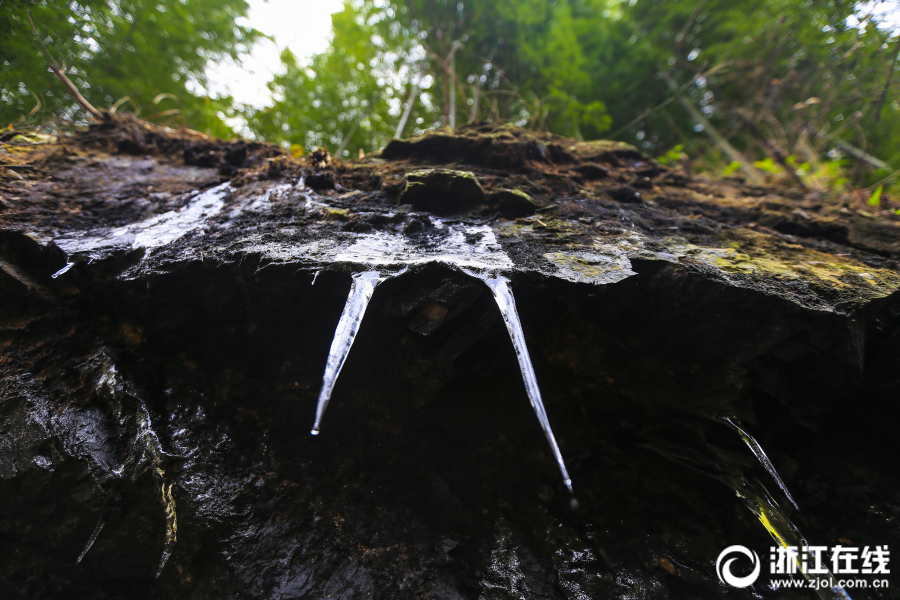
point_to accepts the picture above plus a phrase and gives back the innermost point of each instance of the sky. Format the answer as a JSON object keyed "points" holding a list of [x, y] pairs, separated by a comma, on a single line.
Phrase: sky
{"points": [[886, 12], [304, 26]]}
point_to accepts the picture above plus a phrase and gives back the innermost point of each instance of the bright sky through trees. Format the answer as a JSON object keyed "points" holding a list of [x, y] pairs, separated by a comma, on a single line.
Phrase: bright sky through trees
{"points": [[304, 26]]}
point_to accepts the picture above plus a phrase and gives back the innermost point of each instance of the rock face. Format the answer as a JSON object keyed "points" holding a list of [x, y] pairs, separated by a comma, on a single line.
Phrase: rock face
{"points": [[442, 191], [512, 203], [168, 305]]}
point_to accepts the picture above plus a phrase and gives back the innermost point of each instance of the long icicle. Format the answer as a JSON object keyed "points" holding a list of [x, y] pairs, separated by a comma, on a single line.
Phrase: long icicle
{"points": [[760, 455], [506, 302], [361, 291]]}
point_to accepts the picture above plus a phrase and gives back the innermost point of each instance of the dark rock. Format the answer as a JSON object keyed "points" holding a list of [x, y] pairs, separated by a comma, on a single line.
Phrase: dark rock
{"points": [[675, 179], [417, 225], [559, 154], [626, 194], [593, 171], [322, 180], [236, 155], [442, 191], [499, 150], [512, 203], [643, 183], [202, 154], [651, 171]]}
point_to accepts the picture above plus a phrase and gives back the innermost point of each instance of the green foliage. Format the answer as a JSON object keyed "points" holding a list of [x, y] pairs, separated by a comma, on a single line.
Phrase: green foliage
{"points": [[797, 71], [803, 73], [528, 61], [875, 198], [829, 175], [354, 89], [117, 48], [674, 156], [768, 165], [732, 168], [500, 50]]}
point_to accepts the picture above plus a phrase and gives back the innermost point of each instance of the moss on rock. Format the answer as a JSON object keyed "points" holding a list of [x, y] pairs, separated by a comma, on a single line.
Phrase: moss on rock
{"points": [[512, 203], [442, 191]]}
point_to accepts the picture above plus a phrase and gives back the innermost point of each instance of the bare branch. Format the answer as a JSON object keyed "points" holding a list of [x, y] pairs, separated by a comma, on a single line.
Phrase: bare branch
{"points": [[54, 66], [752, 173], [887, 85]]}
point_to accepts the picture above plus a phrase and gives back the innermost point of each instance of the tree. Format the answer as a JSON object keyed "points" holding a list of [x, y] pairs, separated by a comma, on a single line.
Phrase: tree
{"points": [[523, 57], [781, 77], [513, 61], [352, 95], [153, 53]]}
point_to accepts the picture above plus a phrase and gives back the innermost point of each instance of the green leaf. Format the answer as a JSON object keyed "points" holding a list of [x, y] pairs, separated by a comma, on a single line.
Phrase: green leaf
{"points": [[731, 168], [875, 199]]}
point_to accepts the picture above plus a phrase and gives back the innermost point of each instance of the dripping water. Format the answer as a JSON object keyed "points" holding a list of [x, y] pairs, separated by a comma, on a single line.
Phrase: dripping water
{"points": [[760, 455], [499, 286], [361, 291]]}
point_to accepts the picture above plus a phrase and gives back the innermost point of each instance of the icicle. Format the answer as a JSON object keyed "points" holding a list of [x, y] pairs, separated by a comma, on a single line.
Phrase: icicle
{"points": [[68, 266], [507, 304], [760, 455], [171, 526], [361, 291], [92, 539]]}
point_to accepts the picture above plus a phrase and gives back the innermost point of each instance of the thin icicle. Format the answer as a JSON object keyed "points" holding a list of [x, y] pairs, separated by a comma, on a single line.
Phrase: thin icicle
{"points": [[361, 291], [503, 295], [760, 455], [62, 271], [92, 539], [171, 526]]}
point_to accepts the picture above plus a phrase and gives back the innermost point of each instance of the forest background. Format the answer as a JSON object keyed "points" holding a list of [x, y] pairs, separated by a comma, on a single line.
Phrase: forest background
{"points": [[801, 93]]}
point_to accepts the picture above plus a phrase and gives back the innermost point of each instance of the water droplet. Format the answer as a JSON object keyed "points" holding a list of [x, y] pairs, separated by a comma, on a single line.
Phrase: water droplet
{"points": [[315, 432]]}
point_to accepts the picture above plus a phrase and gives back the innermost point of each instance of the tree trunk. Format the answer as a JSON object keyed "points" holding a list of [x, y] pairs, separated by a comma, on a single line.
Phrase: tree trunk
{"points": [[413, 96], [733, 153]]}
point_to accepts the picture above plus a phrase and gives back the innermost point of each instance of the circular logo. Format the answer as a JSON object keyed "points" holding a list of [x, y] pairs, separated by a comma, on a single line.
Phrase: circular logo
{"points": [[724, 570]]}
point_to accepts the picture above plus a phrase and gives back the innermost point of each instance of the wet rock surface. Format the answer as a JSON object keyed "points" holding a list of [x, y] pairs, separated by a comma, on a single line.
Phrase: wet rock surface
{"points": [[157, 394]]}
